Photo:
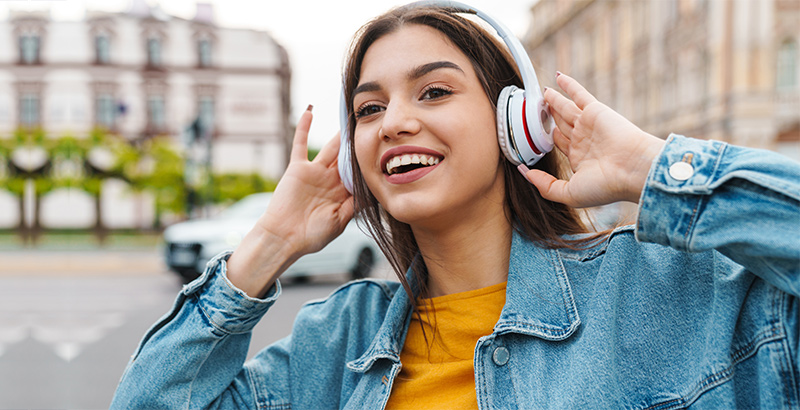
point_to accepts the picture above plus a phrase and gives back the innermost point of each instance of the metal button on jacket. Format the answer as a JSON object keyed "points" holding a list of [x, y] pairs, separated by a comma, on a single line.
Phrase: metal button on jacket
{"points": [[501, 356]]}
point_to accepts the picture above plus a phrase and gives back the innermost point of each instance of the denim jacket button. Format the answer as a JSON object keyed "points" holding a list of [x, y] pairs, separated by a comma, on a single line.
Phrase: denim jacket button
{"points": [[501, 356], [681, 171]]}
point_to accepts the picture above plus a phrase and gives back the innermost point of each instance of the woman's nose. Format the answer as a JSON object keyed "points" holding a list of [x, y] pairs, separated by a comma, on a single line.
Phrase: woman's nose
{"points": [[399, 121]]}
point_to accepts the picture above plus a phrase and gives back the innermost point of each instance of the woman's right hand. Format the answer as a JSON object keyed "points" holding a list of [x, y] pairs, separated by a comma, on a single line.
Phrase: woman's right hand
{"points": [[310, 207]]}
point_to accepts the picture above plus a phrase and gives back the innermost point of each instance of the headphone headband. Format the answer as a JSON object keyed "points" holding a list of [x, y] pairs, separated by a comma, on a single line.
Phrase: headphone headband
{"points": [[539, 139]]}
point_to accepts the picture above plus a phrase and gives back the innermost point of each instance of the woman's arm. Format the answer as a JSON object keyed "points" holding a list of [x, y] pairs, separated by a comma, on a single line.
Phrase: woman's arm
{"points": [[693, 195], [193, 357], [743, 202], [310, 207]]}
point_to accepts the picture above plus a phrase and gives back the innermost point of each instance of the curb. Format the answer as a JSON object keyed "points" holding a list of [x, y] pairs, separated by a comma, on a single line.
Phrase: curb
{"points": [[82, 262]]}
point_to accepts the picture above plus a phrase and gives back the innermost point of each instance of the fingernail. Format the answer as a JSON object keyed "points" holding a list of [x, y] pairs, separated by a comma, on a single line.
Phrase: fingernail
{"points": [[310, 107], [523, 169], [558, 73], [545, 90]]}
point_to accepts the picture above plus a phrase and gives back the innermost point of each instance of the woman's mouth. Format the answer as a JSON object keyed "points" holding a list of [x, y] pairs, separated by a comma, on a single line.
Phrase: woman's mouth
{"points": [[401, 164]]}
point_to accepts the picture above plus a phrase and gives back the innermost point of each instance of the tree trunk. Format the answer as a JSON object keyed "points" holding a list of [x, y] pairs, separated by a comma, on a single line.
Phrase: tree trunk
{"points": [[100, 231]]}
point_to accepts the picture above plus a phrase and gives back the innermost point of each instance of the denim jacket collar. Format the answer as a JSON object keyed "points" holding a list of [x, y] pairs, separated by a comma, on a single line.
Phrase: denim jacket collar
{"points": [[539, 302], [389, 340]]}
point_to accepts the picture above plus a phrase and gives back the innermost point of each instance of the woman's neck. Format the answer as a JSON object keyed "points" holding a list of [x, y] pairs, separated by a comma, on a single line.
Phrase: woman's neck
{"points": [[468, 255]]}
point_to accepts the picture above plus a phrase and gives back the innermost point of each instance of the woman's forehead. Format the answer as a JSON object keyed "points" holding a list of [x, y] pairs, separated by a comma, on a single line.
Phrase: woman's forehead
{"points": [[408, 47]]}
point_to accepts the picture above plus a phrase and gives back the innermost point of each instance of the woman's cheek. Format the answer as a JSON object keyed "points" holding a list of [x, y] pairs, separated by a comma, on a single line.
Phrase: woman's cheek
{"points": [[365, 155]]}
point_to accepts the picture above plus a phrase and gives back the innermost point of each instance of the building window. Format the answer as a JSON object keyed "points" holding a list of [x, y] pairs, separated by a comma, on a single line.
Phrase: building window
{"points": [[204, 53], [29, 48], [786, 76], [29, 109], [105, 111], [156, 117], [102, 48], [206, 112], [154, 52]]}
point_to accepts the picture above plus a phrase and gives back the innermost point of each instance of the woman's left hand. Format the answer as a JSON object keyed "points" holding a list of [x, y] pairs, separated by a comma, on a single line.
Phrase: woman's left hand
{"points": [[609, 156]]}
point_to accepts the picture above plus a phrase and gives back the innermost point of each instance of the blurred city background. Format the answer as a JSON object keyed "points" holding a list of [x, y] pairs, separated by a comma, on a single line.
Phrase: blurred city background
{"points": [[120, 120]]}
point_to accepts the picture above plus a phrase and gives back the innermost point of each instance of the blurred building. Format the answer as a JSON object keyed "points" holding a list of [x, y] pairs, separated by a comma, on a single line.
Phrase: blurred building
{"points": [[716, 69], [143, 73]]}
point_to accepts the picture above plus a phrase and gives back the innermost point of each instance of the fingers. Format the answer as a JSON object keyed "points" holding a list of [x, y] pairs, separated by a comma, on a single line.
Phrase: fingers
{"points": [[329, 152], [549, 187], [562, 108], [579, 95], [347, 210], [300, 144], [561, 141]]}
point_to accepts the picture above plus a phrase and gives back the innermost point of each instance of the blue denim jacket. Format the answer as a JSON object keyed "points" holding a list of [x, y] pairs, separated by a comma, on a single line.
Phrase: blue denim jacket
{"points": [[695, 307]]}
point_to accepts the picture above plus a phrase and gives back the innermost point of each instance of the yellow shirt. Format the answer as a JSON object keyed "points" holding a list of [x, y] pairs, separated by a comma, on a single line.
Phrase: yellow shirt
{"points": [[439, 373]]}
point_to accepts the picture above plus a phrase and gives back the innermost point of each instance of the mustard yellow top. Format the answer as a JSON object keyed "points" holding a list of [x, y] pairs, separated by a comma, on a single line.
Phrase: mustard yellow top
{"points": [[439, 373]]}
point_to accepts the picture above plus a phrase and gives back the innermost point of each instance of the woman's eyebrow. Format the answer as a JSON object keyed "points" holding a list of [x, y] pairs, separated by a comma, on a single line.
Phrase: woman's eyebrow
{"points": [[427, 68], [412, 75]]}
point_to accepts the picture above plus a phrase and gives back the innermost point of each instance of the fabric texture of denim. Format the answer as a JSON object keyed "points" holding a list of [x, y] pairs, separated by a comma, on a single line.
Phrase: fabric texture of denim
{"points": [[694, 307]]}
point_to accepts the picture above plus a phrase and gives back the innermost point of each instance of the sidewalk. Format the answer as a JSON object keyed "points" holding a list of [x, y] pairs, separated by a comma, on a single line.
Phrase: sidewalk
{"points": [[99, 261]]}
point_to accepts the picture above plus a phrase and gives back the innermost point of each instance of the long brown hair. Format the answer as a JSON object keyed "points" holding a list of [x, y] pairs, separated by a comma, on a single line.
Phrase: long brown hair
{"points": [[534, 217]]}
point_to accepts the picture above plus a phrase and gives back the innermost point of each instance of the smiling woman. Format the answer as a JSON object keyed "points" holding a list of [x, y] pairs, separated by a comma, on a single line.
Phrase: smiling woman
{"points": [[505, 299]]}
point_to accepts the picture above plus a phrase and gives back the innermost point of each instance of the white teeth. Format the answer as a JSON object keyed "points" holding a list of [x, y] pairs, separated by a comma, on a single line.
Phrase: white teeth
{"points": [[408, 159]]}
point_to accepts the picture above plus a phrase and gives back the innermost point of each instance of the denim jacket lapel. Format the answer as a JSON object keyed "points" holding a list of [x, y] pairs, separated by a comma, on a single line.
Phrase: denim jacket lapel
{"points": [[539, 300], [388, 342]]}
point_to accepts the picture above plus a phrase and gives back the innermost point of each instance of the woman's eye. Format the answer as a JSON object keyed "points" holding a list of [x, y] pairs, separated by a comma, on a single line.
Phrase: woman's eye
{"points": [[433, 93], [368, 110]]}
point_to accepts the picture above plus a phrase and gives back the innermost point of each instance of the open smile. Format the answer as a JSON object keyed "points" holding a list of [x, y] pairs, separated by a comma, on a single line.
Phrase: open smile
{"points": [[407, 164]]}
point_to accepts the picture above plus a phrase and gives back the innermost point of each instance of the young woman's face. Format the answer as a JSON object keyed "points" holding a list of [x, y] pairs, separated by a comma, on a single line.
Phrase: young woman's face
{"points": [[419, 101]]}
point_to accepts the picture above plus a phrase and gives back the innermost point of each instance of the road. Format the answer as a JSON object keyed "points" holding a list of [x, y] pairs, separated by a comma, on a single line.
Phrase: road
{"points": [[66, 335]]}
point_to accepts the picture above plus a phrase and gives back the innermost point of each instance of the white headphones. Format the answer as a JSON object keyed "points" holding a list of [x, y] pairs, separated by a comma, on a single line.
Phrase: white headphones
{"points": [[524, 124]]}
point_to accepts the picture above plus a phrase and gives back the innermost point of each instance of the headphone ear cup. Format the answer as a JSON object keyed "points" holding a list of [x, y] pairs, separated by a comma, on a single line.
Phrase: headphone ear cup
{"points": [[504, 135], [345, 170]]}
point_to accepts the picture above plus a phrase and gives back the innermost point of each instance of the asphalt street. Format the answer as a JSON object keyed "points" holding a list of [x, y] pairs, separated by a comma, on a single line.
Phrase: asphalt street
{"points": [[69, 321]]}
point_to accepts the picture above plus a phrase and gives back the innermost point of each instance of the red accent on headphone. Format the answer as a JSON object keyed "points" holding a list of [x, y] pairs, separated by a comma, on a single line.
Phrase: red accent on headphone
{"points": [[525, 125]]}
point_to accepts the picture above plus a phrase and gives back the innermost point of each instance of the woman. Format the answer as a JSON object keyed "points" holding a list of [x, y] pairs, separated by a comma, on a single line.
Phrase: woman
{"points": [[514, 304]]}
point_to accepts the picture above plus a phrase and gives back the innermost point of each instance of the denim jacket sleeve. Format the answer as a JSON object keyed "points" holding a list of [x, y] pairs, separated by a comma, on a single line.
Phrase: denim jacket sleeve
{"points": [[193, 357], [742, 202]]}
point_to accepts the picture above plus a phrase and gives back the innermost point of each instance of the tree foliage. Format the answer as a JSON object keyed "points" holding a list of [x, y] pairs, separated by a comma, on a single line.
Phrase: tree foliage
{"points": [[155, 165]]}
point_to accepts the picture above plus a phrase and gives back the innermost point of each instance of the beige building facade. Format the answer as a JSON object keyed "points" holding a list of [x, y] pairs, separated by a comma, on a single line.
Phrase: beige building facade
{"points": [[142, 73], [717, 69]]}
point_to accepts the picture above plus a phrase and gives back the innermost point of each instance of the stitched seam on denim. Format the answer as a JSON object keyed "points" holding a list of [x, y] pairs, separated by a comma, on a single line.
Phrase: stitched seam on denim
{"points": [[692, 221], [374, 357], [394, 374], [506, 328], [718, 378], [780, 299], [558, 268], [566, 292], [720, 149], [260, 401], [194, 377], [667, 405], [178, 305], [786, 370], [210, 321], [484, 387], [387, 292], [278, 407]]}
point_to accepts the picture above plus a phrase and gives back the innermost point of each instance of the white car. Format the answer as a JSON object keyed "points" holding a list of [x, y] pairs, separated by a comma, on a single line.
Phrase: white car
{"points": [[190, 245]]}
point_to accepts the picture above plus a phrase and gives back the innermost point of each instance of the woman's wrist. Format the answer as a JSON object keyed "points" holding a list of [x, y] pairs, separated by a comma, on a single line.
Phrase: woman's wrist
{"points": [[651, 148], [259, 260]]}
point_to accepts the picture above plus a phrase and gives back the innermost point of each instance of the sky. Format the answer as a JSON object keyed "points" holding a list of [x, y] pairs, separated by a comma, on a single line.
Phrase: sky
{"points": [[315, 33]]}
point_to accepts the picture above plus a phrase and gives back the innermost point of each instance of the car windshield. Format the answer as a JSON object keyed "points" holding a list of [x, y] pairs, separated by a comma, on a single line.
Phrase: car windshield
{"points": [[250, 207]]}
